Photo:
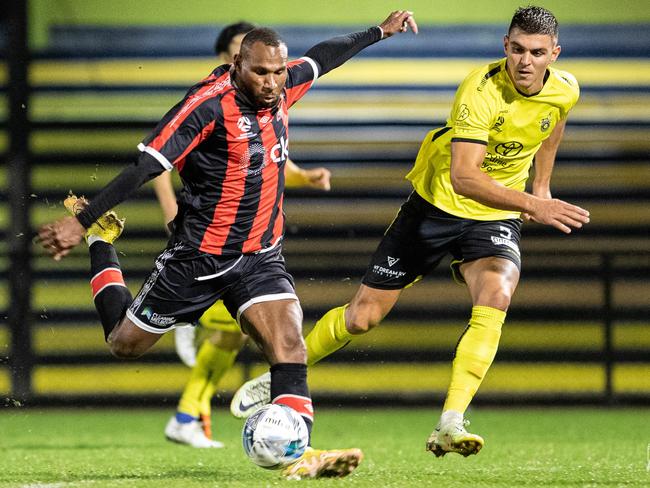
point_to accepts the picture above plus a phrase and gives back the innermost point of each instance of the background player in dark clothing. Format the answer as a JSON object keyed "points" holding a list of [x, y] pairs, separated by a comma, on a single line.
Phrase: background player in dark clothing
{"points": [[229, 140]]}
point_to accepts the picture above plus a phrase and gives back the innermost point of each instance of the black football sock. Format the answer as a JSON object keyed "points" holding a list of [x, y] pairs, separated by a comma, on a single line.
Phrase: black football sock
{"points": [[110, 294], [289, 387]]}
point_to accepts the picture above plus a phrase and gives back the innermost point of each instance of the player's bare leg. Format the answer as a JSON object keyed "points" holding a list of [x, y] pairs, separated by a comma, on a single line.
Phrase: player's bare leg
{"points": [[128, 341]]}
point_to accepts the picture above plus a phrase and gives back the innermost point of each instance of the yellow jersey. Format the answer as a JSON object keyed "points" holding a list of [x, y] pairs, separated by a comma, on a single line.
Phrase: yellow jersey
{"points": [[489, 110]]}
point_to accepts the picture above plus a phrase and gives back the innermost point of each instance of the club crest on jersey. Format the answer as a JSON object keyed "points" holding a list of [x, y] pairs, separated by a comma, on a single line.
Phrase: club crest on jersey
{"points": [[545, 123]]}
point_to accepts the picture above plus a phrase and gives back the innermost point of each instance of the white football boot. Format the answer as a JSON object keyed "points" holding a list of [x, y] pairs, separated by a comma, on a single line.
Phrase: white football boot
{"points": [[190, 433], [185, 346], [251, 395], [453, 437]]}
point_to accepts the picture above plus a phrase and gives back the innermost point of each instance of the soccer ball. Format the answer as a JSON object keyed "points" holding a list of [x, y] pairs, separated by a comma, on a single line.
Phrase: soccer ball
{"points": [[274, 436]]}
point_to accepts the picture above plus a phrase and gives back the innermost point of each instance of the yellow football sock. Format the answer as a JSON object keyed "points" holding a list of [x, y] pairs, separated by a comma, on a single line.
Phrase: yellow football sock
{"points": [[222, 363], [328, 335], [474, 354], [211, 363]]}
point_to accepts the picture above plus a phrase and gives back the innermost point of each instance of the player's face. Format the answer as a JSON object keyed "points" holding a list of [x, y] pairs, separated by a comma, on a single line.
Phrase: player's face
{"points": [[262, 72], [528, 56]]}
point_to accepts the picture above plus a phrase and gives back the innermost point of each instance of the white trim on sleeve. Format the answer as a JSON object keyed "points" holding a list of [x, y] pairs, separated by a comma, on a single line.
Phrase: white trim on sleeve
{"points": [[164, 162], [314, 67]]}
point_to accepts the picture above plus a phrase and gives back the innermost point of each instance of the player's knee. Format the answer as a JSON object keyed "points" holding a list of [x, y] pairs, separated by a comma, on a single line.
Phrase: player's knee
{"points": [[498, 299], [125, 350]]}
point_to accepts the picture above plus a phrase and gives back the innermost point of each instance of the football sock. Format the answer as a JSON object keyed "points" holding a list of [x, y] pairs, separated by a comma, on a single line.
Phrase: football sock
{"points": [[222, 361], [474, 354], [110, 294], [210, 360], [289, 387], [328, 335]]}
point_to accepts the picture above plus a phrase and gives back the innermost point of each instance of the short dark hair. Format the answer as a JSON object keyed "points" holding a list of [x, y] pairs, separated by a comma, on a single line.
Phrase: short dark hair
{"points": [[534, 20], [228, 32], [266, 36]]}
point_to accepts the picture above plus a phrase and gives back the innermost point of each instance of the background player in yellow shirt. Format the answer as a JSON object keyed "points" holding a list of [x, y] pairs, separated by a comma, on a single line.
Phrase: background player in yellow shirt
{"points": [[192, 423], [469, 199]]}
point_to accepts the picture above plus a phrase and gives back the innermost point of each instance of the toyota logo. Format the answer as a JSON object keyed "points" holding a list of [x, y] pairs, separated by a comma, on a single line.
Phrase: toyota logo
{"points": [[510, 148]]}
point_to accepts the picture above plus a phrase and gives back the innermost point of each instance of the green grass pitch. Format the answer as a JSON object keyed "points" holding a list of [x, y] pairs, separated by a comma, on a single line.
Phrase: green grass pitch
{"points": [[549, 447]]}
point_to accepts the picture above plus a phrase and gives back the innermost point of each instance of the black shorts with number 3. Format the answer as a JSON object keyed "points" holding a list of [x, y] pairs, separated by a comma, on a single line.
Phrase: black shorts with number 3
{"points": [[422, 234]]}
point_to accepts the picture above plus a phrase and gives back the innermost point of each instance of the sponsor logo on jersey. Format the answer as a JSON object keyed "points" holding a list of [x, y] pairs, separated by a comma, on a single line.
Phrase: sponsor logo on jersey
{"points": [[280, 151], [391, 261], [254, 160], [499, 122], [462, 113], [510, 148]]}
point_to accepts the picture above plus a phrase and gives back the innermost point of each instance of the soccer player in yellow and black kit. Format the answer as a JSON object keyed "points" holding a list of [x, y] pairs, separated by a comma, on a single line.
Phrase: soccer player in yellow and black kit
{"points": [[191, 424], [469, 199]]}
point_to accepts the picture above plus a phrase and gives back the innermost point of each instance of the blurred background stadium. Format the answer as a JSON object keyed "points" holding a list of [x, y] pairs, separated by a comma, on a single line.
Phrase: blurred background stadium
{"points": [[103, 73]]}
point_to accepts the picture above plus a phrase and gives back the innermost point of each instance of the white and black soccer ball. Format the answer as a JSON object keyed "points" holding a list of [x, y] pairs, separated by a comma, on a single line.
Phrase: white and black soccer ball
{"points": [[275, 436]]}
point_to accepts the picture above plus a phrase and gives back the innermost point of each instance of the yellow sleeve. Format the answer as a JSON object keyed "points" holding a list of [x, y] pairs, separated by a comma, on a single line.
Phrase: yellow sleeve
{"points": [[571, 85], [471, 115]]}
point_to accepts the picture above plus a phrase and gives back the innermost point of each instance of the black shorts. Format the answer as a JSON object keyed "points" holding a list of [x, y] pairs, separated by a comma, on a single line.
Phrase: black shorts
{"points": [[185, 282], [422, 234]]}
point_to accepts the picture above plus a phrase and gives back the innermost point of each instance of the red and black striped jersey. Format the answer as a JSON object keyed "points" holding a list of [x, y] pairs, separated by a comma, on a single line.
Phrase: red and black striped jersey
{"points": [[231, 158]]}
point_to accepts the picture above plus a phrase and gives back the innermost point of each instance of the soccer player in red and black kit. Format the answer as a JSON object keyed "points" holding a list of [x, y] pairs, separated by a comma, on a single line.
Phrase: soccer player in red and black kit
{"points": [[228, 138]]}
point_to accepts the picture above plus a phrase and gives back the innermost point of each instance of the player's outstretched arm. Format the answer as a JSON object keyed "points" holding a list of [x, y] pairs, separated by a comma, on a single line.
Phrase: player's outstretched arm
{"points": [[60, 237], [332, 53]]}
